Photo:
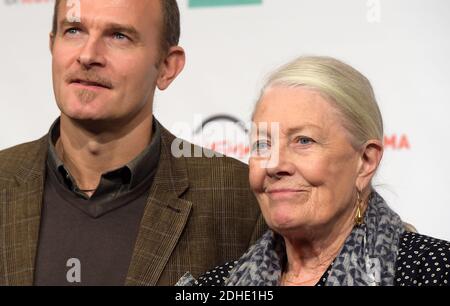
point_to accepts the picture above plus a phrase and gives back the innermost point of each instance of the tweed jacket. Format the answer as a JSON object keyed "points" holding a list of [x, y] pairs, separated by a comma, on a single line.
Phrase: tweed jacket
{"points": [[199, 213]]}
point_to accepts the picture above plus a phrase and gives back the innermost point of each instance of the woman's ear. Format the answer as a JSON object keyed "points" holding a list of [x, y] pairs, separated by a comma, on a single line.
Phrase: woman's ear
{"points": [[171, 67], [371, 154]]}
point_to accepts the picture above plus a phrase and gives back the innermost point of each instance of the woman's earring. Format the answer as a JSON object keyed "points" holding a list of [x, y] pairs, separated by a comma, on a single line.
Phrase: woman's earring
{"points": [[358, 216]]}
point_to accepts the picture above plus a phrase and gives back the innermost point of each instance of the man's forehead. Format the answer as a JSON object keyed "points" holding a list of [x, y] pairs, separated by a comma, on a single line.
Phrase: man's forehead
{"points": [[107, 11], [84, 6], [110, 3]]}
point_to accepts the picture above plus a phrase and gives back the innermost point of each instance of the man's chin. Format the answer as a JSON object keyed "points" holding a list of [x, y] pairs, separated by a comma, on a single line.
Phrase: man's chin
{"points": [[87, 116], [78, 110], [94, 124]]}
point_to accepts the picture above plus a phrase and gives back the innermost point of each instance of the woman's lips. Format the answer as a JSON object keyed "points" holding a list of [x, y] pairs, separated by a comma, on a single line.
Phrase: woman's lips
{"points": [[283, 193]]}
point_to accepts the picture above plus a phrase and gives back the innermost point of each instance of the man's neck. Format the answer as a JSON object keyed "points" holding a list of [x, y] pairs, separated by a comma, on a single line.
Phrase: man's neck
{"points": [[87, 154]]}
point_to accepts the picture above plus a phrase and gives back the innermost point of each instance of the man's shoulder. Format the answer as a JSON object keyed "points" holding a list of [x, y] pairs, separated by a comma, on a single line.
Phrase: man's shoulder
{"points": [[22, 155], [212, 159], [217, 167]]}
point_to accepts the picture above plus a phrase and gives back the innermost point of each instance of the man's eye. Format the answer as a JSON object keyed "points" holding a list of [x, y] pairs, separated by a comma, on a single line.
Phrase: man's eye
{"points": [[72, 31], [120, 36]]}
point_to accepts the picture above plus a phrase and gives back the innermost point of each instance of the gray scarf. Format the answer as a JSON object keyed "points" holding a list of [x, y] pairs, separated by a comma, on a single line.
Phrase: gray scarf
{"points": [[367, 258]]}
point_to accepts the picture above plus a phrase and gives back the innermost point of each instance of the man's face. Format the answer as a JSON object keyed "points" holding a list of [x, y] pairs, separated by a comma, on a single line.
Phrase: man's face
{"points": [[105, 65]]}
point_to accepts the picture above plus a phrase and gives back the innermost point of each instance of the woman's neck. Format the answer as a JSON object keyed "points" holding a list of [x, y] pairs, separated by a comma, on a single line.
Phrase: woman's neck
{"points": [[310, 253]]}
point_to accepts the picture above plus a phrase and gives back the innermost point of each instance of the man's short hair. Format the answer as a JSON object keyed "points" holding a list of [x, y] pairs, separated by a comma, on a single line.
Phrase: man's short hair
{"points": [[170, 34]]}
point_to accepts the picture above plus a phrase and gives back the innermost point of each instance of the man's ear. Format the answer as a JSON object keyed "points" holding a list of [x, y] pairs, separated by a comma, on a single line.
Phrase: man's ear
{"points": [[171, 67], [51, 41], [371, 154]]}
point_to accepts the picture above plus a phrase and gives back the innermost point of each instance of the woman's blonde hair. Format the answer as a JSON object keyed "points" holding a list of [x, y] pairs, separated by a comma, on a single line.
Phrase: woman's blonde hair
{"points": [[345, 87]]}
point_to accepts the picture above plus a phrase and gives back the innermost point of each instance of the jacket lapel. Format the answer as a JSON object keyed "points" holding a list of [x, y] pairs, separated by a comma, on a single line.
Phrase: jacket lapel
{"points": [[20, 205], [164, 218]]}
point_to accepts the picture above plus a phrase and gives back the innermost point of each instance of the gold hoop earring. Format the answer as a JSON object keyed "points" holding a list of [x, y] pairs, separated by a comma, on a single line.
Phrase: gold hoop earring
{"points": [[358, 216]]}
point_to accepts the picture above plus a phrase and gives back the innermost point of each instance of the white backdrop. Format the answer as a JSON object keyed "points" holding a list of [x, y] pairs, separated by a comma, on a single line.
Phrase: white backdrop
{"points": [[402, 46]]}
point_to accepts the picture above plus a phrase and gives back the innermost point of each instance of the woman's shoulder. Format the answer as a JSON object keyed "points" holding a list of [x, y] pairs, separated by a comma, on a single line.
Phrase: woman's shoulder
{"points": [[422, 260], [418, 245], [216, 276]]}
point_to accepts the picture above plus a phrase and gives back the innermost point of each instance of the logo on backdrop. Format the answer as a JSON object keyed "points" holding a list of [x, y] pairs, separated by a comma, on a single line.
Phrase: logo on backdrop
{"points": [[396, 142], [225, 134], [229, 135]]}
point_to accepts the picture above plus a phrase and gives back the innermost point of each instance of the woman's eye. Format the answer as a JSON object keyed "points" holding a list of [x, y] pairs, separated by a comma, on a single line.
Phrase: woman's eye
{"points": [[304, 140], [261, 146]]}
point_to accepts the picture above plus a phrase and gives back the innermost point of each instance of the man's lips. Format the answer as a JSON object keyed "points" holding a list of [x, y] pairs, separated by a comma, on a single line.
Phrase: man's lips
{"points": [[89, 84]]}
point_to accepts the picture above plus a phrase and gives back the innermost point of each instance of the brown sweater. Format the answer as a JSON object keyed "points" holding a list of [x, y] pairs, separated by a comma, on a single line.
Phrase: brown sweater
{"points": [[102, 242]]}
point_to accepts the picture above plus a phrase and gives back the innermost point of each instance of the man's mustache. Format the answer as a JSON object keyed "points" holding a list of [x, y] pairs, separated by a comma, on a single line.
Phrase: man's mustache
{"points": [[89, 79]]}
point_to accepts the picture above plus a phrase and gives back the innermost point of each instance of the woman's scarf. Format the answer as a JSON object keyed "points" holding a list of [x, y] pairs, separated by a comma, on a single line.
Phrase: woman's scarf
{"points": [[367, 257]]}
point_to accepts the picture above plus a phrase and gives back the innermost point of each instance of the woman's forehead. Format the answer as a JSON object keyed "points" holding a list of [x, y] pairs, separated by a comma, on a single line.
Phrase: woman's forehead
{"points": [[295, 107]]}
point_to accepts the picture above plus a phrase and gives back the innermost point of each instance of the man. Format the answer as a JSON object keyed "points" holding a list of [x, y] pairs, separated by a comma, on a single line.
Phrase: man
{"points": [[101, 199]]}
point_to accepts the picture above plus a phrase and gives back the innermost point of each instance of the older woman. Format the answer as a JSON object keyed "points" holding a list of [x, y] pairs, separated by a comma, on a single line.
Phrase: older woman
{"points": [[318, 141]]}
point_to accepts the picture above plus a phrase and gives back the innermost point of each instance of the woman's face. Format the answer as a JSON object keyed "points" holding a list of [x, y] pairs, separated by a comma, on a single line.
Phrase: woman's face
{"points": [[305, 177]]}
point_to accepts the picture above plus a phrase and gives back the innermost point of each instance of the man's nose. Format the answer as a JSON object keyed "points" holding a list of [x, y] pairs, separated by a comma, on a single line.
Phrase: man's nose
{"points": [[92, 54]]}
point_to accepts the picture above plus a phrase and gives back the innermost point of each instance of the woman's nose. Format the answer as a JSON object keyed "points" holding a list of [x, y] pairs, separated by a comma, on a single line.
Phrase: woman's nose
{"points": [[280, 164]]}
